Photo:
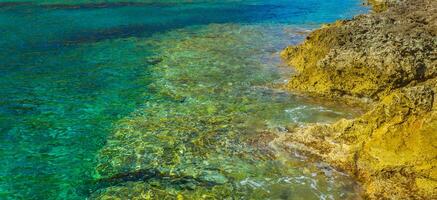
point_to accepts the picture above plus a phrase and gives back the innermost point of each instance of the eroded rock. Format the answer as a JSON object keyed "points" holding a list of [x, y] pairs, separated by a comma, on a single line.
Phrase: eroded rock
{"points": [[370, 55], [391, 58]]}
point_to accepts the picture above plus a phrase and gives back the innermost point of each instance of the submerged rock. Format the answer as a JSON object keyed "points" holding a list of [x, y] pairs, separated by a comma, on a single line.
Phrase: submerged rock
{"points": [[203, 135], [391, 58]]}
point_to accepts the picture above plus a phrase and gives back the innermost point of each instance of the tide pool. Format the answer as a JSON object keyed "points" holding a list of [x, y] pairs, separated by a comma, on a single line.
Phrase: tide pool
{"points": [[158, 99]]}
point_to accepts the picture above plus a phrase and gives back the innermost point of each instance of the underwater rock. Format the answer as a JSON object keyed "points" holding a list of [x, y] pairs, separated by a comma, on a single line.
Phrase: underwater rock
{"points": [[391, 58], [154, 190], [204, 134]]}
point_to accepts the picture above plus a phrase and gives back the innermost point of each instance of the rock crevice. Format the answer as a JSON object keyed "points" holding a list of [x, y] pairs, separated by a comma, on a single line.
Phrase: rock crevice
{"points": [[389, 57]]}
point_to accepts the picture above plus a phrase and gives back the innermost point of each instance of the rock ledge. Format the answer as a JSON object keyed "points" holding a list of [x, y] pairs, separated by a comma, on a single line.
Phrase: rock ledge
{"points": [[390, 58]]}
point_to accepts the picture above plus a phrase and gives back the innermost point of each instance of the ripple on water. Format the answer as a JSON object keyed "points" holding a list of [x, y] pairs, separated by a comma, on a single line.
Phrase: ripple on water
{"points": [[199, 138], [198, 97]]}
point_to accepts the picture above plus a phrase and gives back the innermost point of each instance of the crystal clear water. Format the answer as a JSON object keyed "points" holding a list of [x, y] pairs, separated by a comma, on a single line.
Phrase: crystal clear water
{"points": [[158, 99]]}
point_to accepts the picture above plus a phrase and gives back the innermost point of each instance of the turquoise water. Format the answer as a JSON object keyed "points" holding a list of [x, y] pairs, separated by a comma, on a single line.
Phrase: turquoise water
{"points": [[185, 89]]}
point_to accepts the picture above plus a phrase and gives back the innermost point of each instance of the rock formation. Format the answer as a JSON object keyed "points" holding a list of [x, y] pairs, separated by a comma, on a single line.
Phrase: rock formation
{"points": [[389, 59]]}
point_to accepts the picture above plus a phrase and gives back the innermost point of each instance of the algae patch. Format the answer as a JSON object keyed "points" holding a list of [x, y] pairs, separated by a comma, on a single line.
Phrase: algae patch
{"points": [[205, 132]]}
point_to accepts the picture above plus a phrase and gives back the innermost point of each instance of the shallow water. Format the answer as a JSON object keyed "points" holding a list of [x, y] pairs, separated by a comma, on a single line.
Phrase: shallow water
{"points": [[181, 90]]}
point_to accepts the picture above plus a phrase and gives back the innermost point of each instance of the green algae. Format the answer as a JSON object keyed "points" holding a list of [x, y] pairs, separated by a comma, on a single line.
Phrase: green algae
{"points": [[206, 133], [48, 136], [70, 69]]}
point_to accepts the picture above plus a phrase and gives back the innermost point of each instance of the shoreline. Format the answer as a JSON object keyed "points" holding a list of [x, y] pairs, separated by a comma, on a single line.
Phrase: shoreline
{"points": [[386, 59]]}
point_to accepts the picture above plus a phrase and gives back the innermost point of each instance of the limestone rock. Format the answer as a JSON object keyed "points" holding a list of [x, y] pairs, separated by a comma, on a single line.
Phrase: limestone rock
{"points": [[391, 58], [370, 55]]}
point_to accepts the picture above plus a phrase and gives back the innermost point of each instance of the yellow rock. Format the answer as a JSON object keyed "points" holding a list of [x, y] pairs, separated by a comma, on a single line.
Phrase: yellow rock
{"points": [[391, 149]]}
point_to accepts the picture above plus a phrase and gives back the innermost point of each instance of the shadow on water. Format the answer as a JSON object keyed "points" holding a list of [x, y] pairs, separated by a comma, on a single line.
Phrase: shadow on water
{"points": [[50, 27]]}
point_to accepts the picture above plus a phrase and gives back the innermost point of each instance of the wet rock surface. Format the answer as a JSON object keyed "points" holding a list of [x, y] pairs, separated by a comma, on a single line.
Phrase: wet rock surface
{"points": [[389, 58]]}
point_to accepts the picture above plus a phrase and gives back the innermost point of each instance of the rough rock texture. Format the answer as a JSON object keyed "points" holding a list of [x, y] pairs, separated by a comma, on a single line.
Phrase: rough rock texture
{"points": [[370, 55], [381, 5], [391, 149], [391, 58]]}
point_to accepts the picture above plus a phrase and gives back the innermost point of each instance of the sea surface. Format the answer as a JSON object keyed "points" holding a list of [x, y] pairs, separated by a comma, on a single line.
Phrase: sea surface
{"points": [[101, 98]]}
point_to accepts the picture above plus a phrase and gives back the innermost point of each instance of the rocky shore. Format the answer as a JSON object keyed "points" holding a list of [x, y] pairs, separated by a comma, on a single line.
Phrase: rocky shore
{"points": [[387, 59]]}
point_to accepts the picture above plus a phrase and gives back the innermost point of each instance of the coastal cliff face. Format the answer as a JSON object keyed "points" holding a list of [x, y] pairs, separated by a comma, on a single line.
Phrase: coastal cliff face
{"points": [[370, 55], [388, 59]]}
